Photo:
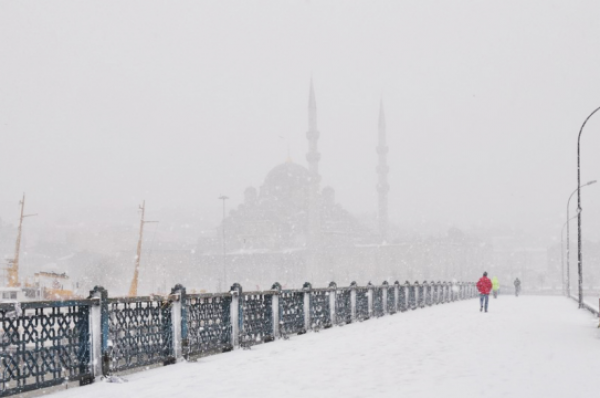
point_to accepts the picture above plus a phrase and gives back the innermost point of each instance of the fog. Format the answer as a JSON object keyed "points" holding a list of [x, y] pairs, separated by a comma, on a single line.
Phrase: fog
{"points": [[106, 104]]}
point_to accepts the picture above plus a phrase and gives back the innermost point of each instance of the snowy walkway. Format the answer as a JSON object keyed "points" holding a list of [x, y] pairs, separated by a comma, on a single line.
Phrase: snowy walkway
{"points": [[533, 346]]}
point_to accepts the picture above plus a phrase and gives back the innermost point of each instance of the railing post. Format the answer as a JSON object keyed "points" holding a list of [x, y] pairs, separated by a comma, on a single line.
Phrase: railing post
{"points": [[276, 327], [179, 321], [417, 289], [332, 303], [98, 321], [353, 302], [452, 291], [236, 314], [307, 305], [443, 292], [384, 296], [396, 296], [370, 299], [428, 294]]}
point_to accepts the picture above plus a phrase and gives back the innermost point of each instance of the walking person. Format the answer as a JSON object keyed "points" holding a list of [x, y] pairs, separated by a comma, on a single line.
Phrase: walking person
{"points": [[495, 286], [484, 285], [517, 287]]}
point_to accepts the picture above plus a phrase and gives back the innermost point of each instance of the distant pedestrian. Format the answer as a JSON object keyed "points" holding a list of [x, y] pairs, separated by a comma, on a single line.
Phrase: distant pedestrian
{"points": [[495, 286], [484, 285], [517, 287]]}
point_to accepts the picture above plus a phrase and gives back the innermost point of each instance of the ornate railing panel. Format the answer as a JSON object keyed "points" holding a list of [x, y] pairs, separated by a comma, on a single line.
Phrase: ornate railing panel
{"points": [[402, 298], [412, 297], [420, 295], [446, 292], [437, 288], [291, 312], [320, 310], [428, 299], [140, 332], [391, 299], [209, 323], [362, 303], [43, 344], [257, 318], [343, 310], [377, 292]]}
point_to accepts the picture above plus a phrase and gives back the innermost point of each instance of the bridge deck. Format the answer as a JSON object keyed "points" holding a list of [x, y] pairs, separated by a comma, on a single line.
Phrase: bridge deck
{"points": [[529, 346]]}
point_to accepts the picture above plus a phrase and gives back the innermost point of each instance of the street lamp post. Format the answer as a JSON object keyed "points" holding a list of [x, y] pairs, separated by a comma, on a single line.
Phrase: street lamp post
{"points": [[569, 236], [224, 276], [562, 257], [579, 259]]}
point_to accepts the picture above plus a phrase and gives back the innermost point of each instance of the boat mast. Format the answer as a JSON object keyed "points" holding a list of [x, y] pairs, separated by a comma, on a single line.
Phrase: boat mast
{"points": [[134, 282]]}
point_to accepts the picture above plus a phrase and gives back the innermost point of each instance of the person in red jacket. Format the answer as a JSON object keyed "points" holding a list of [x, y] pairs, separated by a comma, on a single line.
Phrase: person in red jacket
{"points": [[484, 285]]}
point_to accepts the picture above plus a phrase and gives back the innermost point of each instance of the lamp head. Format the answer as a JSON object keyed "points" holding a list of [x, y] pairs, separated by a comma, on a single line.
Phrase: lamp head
{"points": [[591, 182]]}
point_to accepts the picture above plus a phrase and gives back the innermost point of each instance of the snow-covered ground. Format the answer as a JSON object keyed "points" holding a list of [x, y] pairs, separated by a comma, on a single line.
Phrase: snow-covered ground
{"points": [[531, 346]]}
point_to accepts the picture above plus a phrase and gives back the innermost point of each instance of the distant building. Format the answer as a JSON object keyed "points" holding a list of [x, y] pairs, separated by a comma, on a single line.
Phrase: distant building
{"points": [[290, 230]]}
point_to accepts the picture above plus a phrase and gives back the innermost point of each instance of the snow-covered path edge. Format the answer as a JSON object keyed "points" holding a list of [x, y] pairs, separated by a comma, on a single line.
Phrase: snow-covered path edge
{"points": [[523, 347]]}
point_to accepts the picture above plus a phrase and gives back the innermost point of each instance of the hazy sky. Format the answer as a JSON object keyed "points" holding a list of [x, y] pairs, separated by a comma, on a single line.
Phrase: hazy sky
{"points": [[106, 103]]}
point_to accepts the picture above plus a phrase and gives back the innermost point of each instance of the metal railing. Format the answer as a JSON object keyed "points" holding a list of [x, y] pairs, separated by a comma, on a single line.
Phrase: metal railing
{"points": [[209, 328], [48, 343], [139, 332], [43, 344]]}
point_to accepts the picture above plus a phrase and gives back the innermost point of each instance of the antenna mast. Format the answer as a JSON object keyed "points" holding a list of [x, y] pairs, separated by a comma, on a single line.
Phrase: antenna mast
{"points": [[13, 269], [134, 282]]}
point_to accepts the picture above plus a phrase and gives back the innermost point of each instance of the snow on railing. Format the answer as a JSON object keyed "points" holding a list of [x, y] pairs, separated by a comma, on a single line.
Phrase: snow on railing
{"points": [[43, 344]]}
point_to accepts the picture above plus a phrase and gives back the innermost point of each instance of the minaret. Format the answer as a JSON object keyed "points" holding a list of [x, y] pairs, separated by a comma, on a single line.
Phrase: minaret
{"points": [[312, 158], [382, 171], [312, 134]]}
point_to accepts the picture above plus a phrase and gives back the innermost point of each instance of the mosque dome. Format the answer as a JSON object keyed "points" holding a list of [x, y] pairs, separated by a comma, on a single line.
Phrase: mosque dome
{"points": [[288, 182]]}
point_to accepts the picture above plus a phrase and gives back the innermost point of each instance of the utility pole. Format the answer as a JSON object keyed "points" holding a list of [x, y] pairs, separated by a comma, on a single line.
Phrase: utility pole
{"points": [[13, 270], [223, 198], [134, 282]]}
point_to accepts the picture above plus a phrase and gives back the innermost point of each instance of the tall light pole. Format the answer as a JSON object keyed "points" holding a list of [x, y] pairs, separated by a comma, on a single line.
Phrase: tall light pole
{"points": [[579, 259], [223, 198], [562, 257], [569, 236]]}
